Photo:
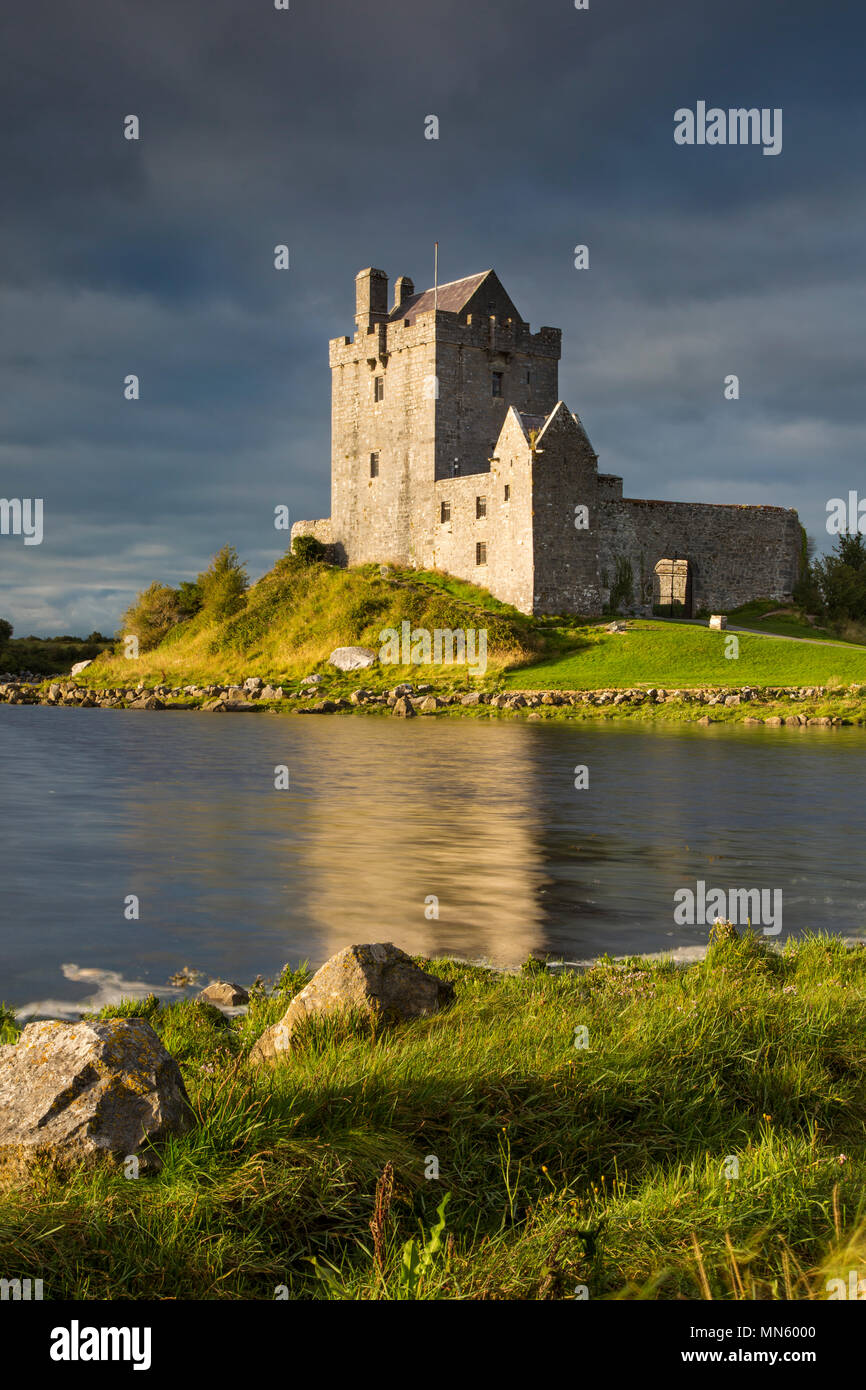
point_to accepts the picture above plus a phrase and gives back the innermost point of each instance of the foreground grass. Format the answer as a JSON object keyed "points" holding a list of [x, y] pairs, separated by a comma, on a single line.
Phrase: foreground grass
{"points": [[708, 1143]]}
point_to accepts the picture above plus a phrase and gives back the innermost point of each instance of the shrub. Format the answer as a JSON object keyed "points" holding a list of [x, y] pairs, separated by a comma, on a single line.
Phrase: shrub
{"points": [[224, 584], [622, 589], [309, 550], [155, 612]]}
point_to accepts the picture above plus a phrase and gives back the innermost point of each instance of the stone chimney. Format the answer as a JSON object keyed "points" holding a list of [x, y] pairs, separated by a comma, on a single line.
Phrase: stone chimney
{"points": [[371, 297], [403, 290]]}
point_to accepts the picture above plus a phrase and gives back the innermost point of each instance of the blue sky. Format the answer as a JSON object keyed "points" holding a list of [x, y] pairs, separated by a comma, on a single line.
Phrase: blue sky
{"points": [[306, 127]]}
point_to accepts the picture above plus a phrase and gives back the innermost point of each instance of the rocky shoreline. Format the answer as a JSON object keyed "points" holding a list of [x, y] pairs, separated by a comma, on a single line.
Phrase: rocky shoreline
{"points": [[406, 700]]}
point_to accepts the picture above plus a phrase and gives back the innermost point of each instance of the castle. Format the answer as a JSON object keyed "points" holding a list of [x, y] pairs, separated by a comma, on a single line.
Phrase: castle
{"points": [[451, 450]]}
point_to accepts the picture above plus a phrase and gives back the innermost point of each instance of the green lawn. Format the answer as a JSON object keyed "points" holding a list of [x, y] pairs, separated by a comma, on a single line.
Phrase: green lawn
{"points": [[672, 654], [708, 1140]]}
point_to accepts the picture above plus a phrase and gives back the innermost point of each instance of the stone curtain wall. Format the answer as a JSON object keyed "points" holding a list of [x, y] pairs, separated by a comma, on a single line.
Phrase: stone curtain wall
{"points": [[735, 553]]}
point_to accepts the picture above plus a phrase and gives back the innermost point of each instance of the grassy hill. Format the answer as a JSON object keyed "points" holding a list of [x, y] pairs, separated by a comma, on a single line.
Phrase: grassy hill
{"points": [[293, 618]]}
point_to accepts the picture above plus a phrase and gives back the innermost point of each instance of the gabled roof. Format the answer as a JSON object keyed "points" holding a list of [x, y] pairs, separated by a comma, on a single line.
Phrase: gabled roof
{"points": [[532, 422], [541, 423], [451, 297]]}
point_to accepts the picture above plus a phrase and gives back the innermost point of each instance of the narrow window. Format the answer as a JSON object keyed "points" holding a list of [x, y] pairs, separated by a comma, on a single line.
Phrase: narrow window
{"points": [[480, 507], [481, 552], [374, 465], [497, 383], [445, 511], [378, 388], [528, 377], [507, 491]]}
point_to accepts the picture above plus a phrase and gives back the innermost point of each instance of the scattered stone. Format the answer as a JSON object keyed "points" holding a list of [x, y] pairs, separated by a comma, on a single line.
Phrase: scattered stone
{"points": [[76, 1093], [186, 976], [80, 666], [378, 980], [353, 658], [718, 621], [312, 680], [320, 707], [403, 708], [221, 992]]}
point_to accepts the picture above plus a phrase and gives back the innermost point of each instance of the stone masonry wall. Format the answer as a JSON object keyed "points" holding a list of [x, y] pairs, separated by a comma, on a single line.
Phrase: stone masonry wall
{"points": [[735, 553], [566, 556]]}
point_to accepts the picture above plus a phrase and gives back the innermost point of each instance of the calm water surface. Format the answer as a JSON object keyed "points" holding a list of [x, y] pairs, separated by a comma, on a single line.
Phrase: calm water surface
{"points": [[235, 877]]}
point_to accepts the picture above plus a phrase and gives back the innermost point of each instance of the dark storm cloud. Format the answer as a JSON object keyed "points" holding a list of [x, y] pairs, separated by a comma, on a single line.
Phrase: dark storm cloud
{"points": [[306, 127]]}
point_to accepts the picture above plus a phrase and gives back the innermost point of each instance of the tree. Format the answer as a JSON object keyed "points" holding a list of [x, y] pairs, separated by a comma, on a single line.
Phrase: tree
{"points": [[189, 597], [155, 612], [840, 579], [223, 584], [6, 631]]}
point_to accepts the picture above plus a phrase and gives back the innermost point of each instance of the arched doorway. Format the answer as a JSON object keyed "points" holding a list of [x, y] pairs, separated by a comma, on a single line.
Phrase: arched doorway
{"points": [[672, 589]]}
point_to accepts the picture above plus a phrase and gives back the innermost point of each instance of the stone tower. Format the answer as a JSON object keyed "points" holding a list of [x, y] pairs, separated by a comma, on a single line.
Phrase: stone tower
{"points": [[419, 394]]}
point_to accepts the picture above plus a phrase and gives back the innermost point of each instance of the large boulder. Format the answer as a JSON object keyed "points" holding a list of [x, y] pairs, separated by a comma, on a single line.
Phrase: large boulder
{"points": [[80, 666], [76, 1093], [375, 979], [353, 658]]}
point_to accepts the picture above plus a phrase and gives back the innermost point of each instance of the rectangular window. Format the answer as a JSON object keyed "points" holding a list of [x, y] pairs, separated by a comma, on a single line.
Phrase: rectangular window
{"points": [[507, 491], [481, 553], [480, 507], [497, 383], [445, 511], [374, 465], [528, 377], [378, 388]]}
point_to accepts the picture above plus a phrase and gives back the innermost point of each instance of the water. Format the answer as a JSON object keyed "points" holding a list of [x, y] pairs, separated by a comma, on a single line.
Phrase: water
{"points": [[234, 877]]}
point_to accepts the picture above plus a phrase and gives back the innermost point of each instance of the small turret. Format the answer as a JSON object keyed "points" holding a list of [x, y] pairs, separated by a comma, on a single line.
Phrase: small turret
{"points": [[371, 297]]}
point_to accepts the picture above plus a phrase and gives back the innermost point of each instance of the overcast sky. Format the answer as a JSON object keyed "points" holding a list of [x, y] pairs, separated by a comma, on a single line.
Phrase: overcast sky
{"points": [[306, 127]]}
